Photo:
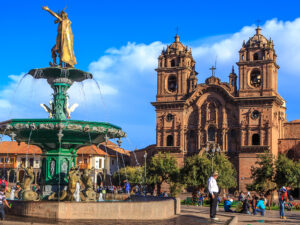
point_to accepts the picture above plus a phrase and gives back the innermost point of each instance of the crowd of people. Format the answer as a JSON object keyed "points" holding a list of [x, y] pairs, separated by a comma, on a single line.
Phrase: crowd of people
{"points": [[247, 203]]}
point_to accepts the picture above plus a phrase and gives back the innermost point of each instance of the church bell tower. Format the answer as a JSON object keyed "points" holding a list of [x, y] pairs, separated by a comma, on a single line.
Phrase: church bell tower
{"points": [[258, 67]]}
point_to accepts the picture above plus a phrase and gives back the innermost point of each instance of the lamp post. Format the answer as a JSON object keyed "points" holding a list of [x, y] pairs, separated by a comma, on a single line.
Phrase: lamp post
{"points": [[211, 151], [145, 157]]}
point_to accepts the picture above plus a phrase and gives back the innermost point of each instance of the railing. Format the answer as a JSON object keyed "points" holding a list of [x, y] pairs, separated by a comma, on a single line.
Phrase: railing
{"points": [[7, 165], [83, 166]]}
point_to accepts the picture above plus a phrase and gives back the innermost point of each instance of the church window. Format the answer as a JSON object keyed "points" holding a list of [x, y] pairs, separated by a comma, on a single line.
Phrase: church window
{"points": [[211, 134], [256, 56], [173, 63], [170, 140], [172, 83], [255, 78], [169, 117], [255, 139]]}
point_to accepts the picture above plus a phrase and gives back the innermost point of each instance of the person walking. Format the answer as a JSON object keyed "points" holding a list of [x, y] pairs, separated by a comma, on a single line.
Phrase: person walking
{"points": [[213, 190], [283, 197]]}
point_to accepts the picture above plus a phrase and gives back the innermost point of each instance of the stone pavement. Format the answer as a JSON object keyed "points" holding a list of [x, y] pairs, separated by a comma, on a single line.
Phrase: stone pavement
{"points": [[190, 215], [271, 217]]}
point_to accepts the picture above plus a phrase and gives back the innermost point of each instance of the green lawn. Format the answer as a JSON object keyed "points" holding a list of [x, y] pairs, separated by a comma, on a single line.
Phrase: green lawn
{"points": [[188, 201]]}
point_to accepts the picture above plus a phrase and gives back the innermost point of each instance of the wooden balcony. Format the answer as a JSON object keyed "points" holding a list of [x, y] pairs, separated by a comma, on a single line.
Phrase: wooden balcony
{"points": [[83, 166], [7, 165]]}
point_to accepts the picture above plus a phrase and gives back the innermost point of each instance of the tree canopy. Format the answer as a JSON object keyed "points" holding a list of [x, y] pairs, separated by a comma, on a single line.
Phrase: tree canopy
{"points": [[134, 175], [271, 173], [287, 172], [197, 169], [263, 173], [226, 170], [162, 168]]}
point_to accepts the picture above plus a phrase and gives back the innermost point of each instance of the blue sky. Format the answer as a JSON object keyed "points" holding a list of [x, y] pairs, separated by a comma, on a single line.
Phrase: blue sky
{"points": [[119, 42]]}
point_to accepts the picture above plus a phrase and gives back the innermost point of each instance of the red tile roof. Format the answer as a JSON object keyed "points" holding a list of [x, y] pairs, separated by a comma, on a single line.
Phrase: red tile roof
{"points": [[114, 147], [90, 150], [12, 147]]}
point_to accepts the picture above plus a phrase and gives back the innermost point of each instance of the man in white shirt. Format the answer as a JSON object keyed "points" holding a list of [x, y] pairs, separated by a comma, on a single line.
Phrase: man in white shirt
{"points": [[213, 190]]}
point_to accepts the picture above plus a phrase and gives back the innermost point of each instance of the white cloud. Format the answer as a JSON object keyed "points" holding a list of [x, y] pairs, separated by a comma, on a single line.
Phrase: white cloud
{"points": [[127, 79]]}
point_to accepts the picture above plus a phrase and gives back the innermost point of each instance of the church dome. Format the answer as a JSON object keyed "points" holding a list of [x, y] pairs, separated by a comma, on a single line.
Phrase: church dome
{"points": [[258, 40], [177, 47]]}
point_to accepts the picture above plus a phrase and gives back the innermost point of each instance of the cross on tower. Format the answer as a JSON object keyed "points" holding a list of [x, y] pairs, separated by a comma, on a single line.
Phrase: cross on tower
{"points": [[213, 70]]}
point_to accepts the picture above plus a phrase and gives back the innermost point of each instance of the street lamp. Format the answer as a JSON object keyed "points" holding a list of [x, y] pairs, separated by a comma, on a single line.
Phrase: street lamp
{"points": [[145, 156], [211, 150]]}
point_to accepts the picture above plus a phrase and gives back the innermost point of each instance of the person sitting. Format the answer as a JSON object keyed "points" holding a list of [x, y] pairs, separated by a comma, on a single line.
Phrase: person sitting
{"points": [[253, 203], [260, 207], [227, 205], [200, 199], [246, 207]]}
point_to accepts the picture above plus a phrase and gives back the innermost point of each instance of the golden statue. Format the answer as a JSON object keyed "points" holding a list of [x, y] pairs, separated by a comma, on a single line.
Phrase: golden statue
{"points": [[64, 40]]}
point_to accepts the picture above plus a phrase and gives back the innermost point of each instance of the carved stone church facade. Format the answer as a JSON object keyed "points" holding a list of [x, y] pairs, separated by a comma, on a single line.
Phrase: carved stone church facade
{"points": [[242, 117]]}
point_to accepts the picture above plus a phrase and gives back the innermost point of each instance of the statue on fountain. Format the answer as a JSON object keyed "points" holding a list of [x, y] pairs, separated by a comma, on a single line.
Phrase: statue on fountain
{"points": [[89, 193], [64, 40], [26, 193]]}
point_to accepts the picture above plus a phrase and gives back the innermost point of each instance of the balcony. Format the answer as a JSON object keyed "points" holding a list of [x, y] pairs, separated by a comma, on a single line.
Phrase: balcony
{"points": [[83, 166], [254, 148], [7, 165]]}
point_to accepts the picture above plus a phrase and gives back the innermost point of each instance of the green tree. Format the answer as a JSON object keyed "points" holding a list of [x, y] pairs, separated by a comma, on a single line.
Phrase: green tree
{"points": [[287, 172], [134, 175], [162, 168], [263, 174], [226, 170], [196, 171]]}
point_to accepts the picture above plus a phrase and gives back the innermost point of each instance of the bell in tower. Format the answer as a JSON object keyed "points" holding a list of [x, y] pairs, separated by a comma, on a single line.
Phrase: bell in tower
{"points": [[257, 67]]}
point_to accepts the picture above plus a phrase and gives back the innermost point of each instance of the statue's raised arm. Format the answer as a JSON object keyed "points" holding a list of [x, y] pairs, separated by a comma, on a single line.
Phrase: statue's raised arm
{"points": [[52, 13], [64, 40]]}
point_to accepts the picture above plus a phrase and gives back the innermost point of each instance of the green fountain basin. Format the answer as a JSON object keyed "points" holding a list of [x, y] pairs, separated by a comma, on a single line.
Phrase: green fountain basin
{"points": [[49, 133]]}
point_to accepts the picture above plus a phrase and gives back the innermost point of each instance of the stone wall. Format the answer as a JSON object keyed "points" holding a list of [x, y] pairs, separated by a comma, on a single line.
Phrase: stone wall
{"points": [[290, 143]]}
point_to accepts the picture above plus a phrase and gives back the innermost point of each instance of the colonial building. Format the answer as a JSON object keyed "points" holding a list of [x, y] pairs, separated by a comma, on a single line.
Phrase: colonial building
{"points": [[242, 117], [104, 160]]}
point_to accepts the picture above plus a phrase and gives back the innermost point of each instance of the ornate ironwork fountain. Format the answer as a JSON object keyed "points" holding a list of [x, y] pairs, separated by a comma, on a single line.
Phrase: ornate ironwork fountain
{"points": [[59, 137]]}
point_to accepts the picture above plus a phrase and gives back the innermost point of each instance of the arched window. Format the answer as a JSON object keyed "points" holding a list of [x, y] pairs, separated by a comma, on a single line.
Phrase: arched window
{"points": [[256, 56], [172, 83], [170, 140], [173, 63], [255, 139], [211, 134], [255, 78]]}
